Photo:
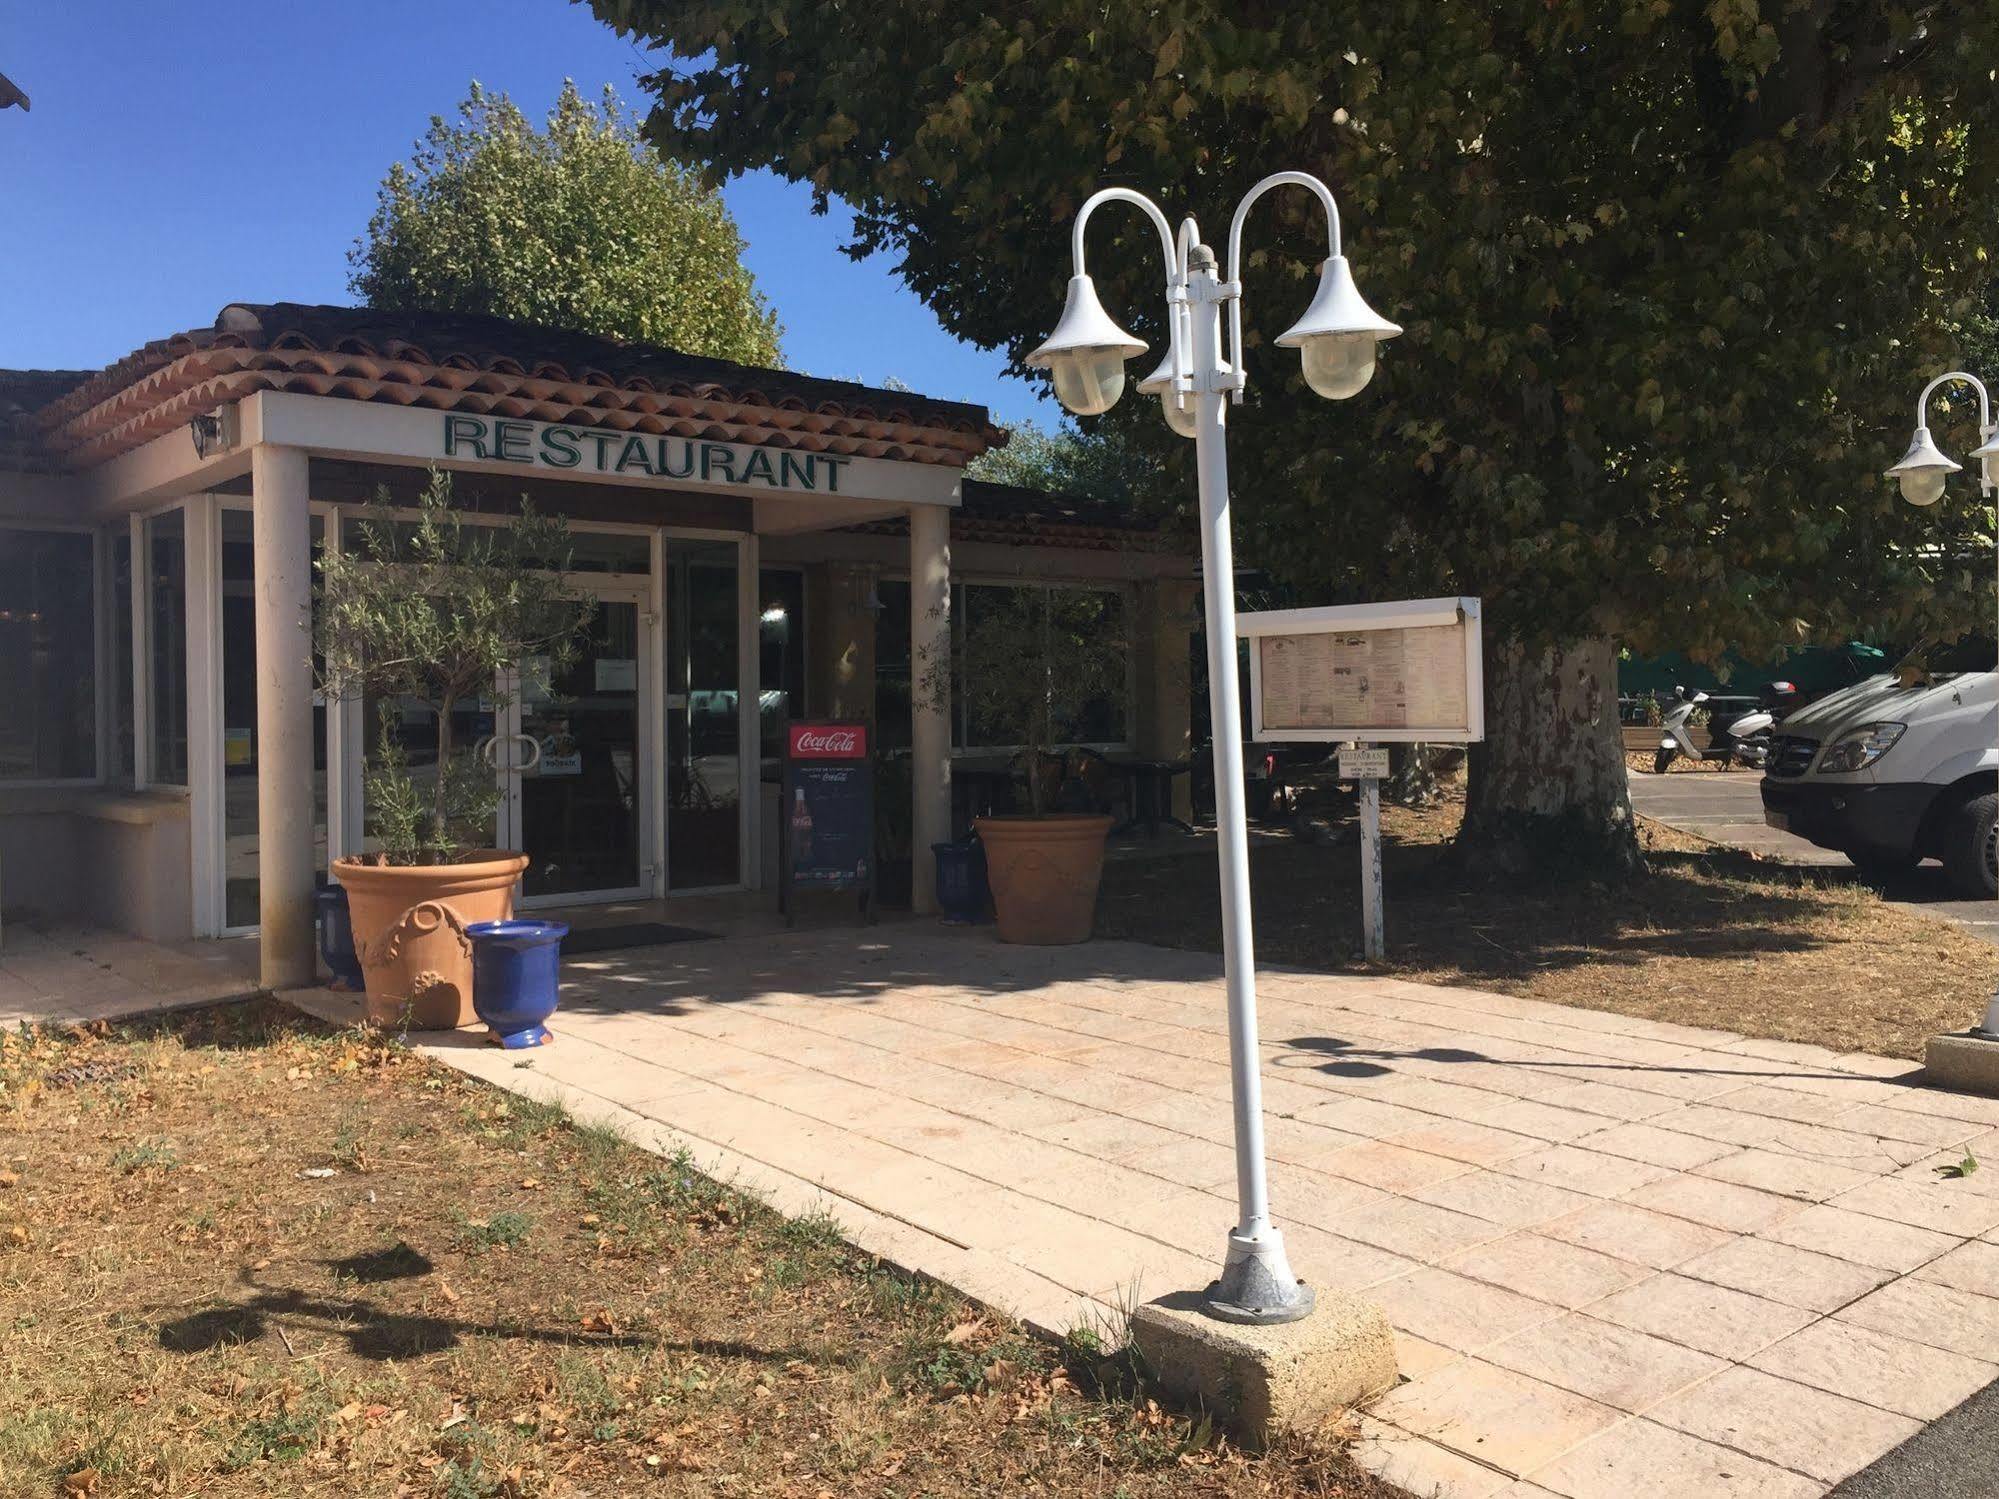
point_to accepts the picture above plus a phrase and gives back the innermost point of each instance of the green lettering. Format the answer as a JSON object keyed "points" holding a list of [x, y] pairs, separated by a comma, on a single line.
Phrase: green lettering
{"points": [[833, 472], [469, 430], [715, 456], [603, 441], [558, 448], [510, 441], [635, 448], [791, 466], [666, 464], [758, 469]]}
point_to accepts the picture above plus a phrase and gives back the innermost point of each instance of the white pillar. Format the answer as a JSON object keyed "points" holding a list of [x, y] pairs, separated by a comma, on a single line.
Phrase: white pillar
{"points": [[930, 695], [282, 535]]}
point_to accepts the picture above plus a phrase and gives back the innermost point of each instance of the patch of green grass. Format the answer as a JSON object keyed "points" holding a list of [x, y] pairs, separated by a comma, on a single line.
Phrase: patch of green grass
{"points": [[145, 1155], [506, 1229], [280, 1437]]}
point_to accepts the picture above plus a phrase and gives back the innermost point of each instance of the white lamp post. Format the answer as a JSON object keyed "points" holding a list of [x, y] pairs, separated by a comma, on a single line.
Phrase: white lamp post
{"points": [[1922, 473], [1195, 382]]}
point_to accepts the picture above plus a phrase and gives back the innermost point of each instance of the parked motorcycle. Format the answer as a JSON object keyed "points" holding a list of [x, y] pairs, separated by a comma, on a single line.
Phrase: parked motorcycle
{"points": [[1741, 740]]}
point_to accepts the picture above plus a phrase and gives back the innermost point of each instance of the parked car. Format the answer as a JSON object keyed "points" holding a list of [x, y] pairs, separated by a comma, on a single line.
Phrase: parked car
{"points": [[1896, 769]]}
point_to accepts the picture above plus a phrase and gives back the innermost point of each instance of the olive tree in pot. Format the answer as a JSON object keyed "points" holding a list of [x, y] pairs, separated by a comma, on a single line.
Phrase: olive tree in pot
{"points": [[428, 610], [1030, 661]]}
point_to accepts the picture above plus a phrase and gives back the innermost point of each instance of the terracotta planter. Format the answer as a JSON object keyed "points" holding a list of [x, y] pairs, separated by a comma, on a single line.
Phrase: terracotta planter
{"points": [[1044, 873], [409, 929]]}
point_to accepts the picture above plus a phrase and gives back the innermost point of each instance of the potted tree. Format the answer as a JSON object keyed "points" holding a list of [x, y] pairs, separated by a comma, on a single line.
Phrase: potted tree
{"points": [[426, 612], [1030, 661]]}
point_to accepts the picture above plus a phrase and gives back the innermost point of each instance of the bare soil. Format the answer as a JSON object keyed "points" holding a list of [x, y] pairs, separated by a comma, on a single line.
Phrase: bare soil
{"points": [[1711, 936], [245, 1253]]}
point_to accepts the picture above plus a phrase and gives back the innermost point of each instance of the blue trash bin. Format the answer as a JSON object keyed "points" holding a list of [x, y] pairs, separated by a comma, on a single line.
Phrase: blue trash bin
{"points": [[514, 978], [336, 935], [962, 889]]}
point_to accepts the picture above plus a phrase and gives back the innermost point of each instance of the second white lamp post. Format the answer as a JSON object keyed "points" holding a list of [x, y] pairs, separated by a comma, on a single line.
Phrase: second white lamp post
{"points": [[1196, 382], [1922, 474]]}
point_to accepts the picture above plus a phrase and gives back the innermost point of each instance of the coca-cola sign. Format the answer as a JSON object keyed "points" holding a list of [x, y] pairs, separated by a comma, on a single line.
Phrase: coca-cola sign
{"points": [[828, 741]]}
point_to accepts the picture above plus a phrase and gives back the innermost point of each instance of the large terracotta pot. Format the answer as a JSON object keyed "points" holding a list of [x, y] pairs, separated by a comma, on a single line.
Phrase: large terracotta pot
{"points": [[409, 929], [1044, 873]]}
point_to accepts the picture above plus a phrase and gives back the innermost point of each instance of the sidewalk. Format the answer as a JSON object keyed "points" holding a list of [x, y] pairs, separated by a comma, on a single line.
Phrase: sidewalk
{"points": [[1622, 1256]]}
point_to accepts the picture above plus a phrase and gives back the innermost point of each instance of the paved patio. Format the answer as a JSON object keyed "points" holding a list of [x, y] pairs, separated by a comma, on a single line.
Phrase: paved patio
{"points": [[1622, 1256], [70, 973]]}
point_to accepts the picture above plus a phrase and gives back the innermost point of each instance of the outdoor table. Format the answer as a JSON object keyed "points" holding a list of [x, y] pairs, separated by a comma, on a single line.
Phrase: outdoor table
{"points": [[1151, 794]]}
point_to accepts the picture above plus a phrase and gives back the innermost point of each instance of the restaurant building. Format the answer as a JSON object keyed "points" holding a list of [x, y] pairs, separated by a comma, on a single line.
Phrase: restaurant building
{"points": [[761, 546]]}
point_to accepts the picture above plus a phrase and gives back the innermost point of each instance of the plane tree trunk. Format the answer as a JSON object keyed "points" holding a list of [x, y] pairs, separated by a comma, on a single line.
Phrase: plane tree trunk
{"points": [[1546, 792]]}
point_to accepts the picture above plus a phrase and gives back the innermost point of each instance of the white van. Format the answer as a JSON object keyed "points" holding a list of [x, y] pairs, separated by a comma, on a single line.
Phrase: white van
{"points": [[1894, 770]]}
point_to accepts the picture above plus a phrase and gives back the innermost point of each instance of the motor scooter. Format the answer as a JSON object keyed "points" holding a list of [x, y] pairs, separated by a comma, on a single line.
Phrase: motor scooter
{"points": [[1742, 740]]}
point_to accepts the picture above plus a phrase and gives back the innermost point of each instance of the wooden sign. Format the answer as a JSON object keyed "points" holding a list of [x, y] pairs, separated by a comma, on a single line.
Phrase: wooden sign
{"points": [[828, 810]]}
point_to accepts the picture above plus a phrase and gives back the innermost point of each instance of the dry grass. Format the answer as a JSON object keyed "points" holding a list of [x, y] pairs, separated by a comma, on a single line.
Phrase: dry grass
{"points": [[241, 1253], [1710, 937]]}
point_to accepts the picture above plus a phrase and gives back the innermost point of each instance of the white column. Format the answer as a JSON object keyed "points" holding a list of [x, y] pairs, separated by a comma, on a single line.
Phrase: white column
{"points": [[282, 533], [930, 695]]}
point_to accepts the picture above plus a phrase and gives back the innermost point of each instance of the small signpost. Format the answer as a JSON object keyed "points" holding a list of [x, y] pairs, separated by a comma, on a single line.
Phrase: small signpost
{"points": [[828, 811], [1360, 675]]}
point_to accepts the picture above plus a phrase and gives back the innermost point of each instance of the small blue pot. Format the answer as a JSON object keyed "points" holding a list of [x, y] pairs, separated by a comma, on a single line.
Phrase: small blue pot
{"points": [[336, 936], [514, 978], [962, 888]]}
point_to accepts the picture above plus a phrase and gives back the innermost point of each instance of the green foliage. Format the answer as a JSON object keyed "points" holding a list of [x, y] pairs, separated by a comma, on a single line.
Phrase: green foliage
{"points": [[1099, 462], [1672, 272], [581, 226], [429, 610], [504, 1230]]}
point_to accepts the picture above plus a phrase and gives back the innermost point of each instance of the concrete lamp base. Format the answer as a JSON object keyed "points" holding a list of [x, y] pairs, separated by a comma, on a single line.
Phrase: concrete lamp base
{"points": [[1965, 1061], [1259, 1380]]}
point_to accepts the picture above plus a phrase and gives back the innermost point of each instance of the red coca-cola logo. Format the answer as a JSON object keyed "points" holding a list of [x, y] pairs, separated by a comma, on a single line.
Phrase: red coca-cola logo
{"points": [[828, 741]]}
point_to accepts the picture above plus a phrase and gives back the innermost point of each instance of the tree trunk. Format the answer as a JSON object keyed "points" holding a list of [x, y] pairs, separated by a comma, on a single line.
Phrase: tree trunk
{"points": [[1546, 792], [440, 804], [1412, 777]]}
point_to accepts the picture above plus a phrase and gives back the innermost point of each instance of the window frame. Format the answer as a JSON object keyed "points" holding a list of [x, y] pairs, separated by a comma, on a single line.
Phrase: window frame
{"points": [[100, 567]]}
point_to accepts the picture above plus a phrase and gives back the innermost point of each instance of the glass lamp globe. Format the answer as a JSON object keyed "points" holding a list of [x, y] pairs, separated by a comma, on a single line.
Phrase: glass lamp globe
{"points": [[1923, 486], [1184, 419], [1088, 381], [1338, 365]]}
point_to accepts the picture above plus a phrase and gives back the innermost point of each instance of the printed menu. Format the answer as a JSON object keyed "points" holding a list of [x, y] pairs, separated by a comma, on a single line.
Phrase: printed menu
{"points": [[1365, 679]]}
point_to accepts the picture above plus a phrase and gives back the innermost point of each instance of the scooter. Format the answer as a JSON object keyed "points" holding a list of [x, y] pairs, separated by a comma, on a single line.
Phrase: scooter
{"points": [[1742, 740]]}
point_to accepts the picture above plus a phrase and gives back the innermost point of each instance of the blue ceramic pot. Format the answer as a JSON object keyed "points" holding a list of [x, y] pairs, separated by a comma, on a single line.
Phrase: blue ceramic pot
{"points": [[962, 890], [336, 936], [514, 978]]}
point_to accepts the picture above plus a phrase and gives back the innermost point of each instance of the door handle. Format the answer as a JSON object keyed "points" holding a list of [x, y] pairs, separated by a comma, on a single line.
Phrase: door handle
{"points": [[532, 743], [483, 748]]}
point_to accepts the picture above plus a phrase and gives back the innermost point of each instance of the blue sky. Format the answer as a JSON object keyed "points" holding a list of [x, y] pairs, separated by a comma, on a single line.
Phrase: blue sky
{"points": [[184, 155]]}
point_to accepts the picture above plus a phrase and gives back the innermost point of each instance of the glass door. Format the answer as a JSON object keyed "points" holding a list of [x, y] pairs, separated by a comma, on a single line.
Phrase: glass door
{"points": [[570, 752]]}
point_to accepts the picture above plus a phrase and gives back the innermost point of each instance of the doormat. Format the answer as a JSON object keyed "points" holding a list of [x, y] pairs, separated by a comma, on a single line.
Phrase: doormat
{"points": [[584, 940]]}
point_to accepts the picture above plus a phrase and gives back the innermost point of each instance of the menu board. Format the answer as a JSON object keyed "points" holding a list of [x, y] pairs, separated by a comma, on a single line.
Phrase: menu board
{"points": [[828, 809], [1357, 673]]}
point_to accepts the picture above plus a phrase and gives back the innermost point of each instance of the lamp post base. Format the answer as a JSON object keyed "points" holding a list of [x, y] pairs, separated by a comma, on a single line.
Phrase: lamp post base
{"points": [[1257, 1286]]}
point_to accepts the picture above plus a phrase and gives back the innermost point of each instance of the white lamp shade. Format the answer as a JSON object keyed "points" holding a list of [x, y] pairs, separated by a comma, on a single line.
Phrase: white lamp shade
{"points": [[1084, 325], [1990, 451], [1924, 456], [1338, 307], [1160, 381]]}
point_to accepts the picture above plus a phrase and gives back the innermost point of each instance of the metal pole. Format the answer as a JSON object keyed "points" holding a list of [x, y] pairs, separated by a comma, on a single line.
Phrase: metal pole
{"points": [[1989, 1026], [1374, 936], [1256, 1283]]}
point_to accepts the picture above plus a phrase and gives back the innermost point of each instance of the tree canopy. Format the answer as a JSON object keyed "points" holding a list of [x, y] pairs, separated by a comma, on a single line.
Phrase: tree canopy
{"points": [[582, 225], [1670, 271], [1098, 462]]}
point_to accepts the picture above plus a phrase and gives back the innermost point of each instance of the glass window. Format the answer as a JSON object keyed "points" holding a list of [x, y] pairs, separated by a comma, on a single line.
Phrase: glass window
{"points": [[239, 724], [781, 655], [166, 586], [119, 620], [1048, 620], [892, 691], [703, 725], [48, 663]]}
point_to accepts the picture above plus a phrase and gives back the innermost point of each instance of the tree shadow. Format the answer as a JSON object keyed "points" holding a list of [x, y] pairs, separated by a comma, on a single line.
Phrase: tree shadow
{"points": [[374, 1266]]}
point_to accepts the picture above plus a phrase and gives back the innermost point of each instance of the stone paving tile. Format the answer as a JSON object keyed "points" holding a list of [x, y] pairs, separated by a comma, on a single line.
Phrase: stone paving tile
{"points": [[1788, 1175], [1525, 1116], [1578, 1168], [1877, 1368], [1393, 1168], [1474, 1144], [1781, 1421], [1725, 1125], [1421, 1467], [1510, 1201], [1453, 1312], [1783, 1103], [1635, 1233], [1615, 1365], [1565, 1275], [1937, 1204], [1970, 1267], [1711, 1318], [1939, 1315], [1654, 1146], [1609, 1100], [1933, 1130], [1718, 1204], [1865, 1240], [1778, 1272], [1640, 1458], [1498, 1417]]}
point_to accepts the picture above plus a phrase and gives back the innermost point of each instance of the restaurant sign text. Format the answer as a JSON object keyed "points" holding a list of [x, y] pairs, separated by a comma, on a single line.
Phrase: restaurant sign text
{"points": [[638, 454]]}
